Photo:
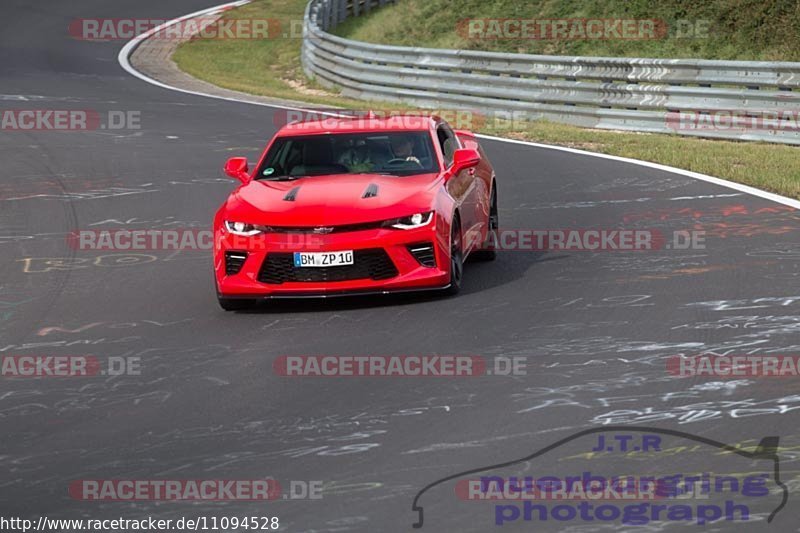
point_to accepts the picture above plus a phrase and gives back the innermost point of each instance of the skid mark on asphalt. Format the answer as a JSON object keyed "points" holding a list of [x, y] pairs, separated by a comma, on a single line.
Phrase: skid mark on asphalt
{"points": [[603, 203], [713, 212], [480, 443], [769, 302], [112, 192]]}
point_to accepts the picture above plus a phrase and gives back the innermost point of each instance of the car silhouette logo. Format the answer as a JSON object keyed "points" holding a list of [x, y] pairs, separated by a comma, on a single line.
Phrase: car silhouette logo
{"points": [[766, 450]]}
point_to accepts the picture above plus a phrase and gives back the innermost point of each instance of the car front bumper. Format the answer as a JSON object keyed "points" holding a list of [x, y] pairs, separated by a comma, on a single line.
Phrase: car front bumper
{"points": [[410, 275]]}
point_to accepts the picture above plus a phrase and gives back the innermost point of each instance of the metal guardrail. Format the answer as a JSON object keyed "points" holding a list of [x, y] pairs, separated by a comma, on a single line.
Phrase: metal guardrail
{"points": [[738, 100]]}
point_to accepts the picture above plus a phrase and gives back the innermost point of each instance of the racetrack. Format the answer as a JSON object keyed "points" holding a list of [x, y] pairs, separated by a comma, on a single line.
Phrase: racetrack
{"points": [[595, 327]]}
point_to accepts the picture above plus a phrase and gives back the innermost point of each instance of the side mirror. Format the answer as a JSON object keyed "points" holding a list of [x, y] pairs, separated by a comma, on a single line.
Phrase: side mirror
{"points": [[463, 159], [236, 167]]}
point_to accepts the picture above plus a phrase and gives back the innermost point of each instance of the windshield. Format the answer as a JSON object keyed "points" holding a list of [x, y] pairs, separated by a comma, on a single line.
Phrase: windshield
{"points": [[394, 153]]}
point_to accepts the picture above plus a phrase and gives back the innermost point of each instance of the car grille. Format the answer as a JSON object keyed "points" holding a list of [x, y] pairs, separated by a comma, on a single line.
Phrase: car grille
{"points": [[345, 228], [373, 263]]}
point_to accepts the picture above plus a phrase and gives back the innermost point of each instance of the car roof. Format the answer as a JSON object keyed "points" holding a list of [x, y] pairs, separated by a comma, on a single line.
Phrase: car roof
{"points": [[360, 124]]}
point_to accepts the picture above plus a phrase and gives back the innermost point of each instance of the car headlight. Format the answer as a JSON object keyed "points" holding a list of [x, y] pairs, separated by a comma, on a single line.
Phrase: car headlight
{"points": [[242, 228], [417, 220]]}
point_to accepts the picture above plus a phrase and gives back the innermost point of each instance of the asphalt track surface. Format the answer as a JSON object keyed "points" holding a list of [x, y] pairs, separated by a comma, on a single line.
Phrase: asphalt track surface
{"points": [[595, 328]]}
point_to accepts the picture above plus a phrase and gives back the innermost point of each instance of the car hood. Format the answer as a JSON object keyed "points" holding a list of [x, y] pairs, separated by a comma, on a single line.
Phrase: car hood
{"points": [[331, 200]]}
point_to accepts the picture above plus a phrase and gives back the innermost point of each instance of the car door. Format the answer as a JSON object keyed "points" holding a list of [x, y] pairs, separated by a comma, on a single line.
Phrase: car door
{"points": [[462, 187]]}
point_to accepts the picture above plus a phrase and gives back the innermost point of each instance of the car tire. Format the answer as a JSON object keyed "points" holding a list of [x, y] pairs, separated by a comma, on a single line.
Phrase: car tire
{"points": [[456, 257], [236, 304], [488, 251]]}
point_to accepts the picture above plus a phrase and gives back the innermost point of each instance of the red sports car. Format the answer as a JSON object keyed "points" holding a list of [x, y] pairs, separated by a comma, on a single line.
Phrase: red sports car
{"points": [[355, 205]]}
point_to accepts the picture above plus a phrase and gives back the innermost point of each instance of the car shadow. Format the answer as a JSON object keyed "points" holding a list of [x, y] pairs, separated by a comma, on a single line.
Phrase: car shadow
{"points": [[479, 276]]}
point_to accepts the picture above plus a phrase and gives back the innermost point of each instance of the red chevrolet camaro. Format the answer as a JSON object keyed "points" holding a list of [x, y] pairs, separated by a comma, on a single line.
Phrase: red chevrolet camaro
{"points": [[355, 205]]}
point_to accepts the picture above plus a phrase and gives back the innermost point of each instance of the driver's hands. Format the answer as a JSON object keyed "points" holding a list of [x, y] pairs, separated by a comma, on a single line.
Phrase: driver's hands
{"points": [[414, 159]]}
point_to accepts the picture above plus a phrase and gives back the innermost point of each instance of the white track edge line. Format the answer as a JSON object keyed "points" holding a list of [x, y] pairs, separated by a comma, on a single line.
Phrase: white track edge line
{"points": [[674, 170], [130, 46], [124, 59]]}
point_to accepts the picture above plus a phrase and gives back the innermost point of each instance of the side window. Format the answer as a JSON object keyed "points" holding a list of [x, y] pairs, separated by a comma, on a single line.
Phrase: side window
{"points": [[447, 142]]}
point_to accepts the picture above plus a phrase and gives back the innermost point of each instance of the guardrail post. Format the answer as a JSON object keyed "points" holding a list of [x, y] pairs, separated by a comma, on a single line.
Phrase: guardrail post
{"points": [[334, 13], [324, 17]]}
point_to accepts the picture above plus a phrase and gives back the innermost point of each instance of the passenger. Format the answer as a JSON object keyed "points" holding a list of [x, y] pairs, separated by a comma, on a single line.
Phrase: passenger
{"points": [[356, 158]]}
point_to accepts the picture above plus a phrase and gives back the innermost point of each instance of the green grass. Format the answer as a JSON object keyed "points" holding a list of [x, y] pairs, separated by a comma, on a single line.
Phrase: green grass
{"points": [[268, 67], [271, 67], [766, 30]]}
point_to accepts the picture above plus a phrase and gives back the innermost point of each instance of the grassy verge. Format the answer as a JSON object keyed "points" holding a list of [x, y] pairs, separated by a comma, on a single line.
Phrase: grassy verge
{"points": [[271, 67], [712, 29], [267, 67]]}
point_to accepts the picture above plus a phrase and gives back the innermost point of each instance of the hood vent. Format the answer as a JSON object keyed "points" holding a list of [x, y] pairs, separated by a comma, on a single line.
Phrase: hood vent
{"points": [[291, 195], [371, 191]]}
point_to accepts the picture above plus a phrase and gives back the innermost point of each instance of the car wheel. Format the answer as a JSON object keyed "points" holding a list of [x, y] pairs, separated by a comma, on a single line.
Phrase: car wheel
{"points": [[488, 251], [456, 257], [236, 304]]}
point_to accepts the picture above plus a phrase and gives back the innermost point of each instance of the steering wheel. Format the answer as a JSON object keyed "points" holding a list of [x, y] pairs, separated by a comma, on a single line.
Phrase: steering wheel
{"points": [[401, 160]]}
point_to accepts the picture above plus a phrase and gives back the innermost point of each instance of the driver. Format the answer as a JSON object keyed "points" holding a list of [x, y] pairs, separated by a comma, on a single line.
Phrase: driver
{"points": [[403, 148]]}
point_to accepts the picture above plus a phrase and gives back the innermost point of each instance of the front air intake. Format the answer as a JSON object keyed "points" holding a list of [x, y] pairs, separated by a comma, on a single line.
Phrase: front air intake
{"points": [[234, 261], [423, 253]]}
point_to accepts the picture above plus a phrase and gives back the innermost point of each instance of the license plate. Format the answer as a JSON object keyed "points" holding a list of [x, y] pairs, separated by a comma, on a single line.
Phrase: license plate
{"points": [[323, 259]]}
